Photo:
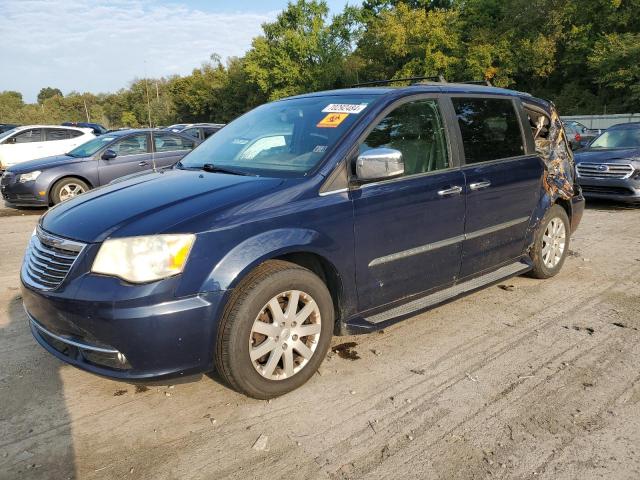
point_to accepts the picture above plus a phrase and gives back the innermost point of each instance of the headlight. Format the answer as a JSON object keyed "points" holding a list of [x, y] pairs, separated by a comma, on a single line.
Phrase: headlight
{"points": [[143, 259], [29, 177]]}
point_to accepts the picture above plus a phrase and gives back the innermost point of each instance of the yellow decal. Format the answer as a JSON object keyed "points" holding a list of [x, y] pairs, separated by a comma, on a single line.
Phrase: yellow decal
{"points": [[332, 120]]}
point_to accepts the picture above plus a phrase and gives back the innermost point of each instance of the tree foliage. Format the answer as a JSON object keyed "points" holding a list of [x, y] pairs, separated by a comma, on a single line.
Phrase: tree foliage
{"points": [[582, 54]]}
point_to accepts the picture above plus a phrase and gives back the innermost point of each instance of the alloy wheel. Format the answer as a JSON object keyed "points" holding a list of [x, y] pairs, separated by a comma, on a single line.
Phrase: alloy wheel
{"points": [[70, 190], [554, 241], [284, 335]]}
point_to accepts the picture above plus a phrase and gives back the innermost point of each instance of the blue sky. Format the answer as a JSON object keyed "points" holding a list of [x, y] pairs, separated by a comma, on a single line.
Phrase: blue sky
{"points": [[101, 45]]}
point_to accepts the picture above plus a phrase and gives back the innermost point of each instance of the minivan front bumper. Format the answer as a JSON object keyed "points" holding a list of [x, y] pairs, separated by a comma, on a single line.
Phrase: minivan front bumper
{"points": [[163, 338]]}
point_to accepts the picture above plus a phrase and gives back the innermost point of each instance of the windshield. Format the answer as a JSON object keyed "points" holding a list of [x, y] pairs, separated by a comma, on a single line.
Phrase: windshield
{"points": [[618, 138], [7, 133], [92, 146], [285, 138]]}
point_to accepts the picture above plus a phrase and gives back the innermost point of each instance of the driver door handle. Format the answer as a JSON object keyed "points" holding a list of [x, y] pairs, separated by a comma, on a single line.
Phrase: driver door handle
{"points": [[455, 190], [143, 164], [479, 185]]}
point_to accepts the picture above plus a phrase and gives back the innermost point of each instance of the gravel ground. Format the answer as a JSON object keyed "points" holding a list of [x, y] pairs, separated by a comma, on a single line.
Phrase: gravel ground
{"points": [[536, 381]]}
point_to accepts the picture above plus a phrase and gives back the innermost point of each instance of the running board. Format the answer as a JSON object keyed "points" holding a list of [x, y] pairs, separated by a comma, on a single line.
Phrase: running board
{"points": [[449, 293]]}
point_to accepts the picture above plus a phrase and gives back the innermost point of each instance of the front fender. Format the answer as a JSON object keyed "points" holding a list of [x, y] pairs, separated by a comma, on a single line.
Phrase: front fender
{"points": [[248, 254]]}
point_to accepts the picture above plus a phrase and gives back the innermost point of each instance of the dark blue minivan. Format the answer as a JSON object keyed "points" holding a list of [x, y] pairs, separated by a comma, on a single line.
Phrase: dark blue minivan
{"points": [[336, 212]]}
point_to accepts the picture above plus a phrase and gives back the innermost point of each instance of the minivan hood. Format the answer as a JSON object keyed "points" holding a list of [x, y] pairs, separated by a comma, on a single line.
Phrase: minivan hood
{"points": [[151, 204], [601, 155], [43, 163]]}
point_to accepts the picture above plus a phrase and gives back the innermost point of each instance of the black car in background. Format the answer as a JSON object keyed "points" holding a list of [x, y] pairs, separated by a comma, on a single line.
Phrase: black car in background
{"points": [[201, 131], [51, 180], [96, 127], [610, 166], [5, 127]]}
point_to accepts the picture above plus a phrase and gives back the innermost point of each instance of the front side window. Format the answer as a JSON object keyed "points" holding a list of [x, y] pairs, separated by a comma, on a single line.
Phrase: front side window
{"points": [[29, 136], [286, 138], [132, 145], [415, 129], [171, 143], [490, 128]]}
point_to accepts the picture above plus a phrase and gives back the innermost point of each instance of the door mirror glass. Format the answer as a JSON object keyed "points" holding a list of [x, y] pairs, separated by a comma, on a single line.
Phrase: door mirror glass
{"points": [[109, 154], [379, 164]]}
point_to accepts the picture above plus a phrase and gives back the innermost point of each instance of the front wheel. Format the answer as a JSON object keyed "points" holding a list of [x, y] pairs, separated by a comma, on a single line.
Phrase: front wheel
{"points": [[275, 331], [67, 188], [551, 244]]}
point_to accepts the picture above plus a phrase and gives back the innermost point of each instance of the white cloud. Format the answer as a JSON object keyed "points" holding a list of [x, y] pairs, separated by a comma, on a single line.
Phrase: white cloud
{"points": [[101, 46]]}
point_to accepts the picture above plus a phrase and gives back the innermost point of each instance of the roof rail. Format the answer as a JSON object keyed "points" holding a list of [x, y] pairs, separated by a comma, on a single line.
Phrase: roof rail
{"points": [[438, 78], [419, 80], [478, 82]]}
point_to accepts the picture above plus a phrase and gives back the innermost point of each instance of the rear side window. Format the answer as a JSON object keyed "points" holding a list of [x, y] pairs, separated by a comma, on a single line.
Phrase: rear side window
{"points": [[28, 136], [56, 134], [490, 128], [192, 132], [415, 129], [171, 143]]}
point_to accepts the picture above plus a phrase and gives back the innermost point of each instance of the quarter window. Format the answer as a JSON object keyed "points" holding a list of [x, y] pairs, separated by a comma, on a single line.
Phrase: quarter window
{"points": [[29, 136], [132, 145], [75, 133], [209, 131], [415, 129], [490, 128]]}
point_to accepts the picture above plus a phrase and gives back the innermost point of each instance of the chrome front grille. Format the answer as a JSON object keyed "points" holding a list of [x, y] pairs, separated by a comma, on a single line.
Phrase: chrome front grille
{"points": [[49, 259], [604, 170]]}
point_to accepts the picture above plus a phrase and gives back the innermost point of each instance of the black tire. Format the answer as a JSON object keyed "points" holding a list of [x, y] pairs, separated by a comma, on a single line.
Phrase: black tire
{"points": [[540, 269], [67, 182], [232, 352]]}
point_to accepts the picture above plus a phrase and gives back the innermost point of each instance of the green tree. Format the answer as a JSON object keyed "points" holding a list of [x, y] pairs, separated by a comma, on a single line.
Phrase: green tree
{"points": [[301, 51], [615, 61], [48, 92]]}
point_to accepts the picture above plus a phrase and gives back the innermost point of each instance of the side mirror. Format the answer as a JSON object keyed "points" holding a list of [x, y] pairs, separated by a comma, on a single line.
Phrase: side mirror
{"points": [[10, 141], [109, 154], [379, 164]]}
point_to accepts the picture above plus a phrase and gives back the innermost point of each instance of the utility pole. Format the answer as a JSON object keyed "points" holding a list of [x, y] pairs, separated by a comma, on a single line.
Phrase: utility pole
{"points": [[86, 110]]}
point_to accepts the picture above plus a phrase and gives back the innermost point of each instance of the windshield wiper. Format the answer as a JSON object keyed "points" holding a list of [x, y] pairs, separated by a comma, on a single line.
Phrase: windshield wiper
{"points": [[210, 167]]}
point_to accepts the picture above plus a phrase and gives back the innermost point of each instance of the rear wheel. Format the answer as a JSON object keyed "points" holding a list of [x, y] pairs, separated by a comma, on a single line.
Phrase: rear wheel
{"points": [[275, 331], [551, 244], [67, 188]]}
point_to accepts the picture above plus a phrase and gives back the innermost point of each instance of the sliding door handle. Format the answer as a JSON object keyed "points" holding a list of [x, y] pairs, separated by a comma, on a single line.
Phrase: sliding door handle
{"points": [[455, 190], [479, 185]]}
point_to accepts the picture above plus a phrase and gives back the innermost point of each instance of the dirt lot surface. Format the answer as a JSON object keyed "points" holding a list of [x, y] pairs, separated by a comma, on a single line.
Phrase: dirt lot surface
{"points": [[538, 380]]}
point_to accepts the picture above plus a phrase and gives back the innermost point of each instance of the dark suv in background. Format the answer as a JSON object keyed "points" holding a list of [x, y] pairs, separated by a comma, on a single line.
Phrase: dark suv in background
{"points": [[330, 213]]}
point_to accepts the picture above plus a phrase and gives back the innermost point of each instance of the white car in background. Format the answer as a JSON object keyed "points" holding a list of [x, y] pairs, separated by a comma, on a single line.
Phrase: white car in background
{"points": [[38, 141]]}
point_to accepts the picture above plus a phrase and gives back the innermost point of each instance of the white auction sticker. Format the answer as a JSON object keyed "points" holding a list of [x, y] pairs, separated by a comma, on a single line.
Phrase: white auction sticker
{"points": [[344, 108]]}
